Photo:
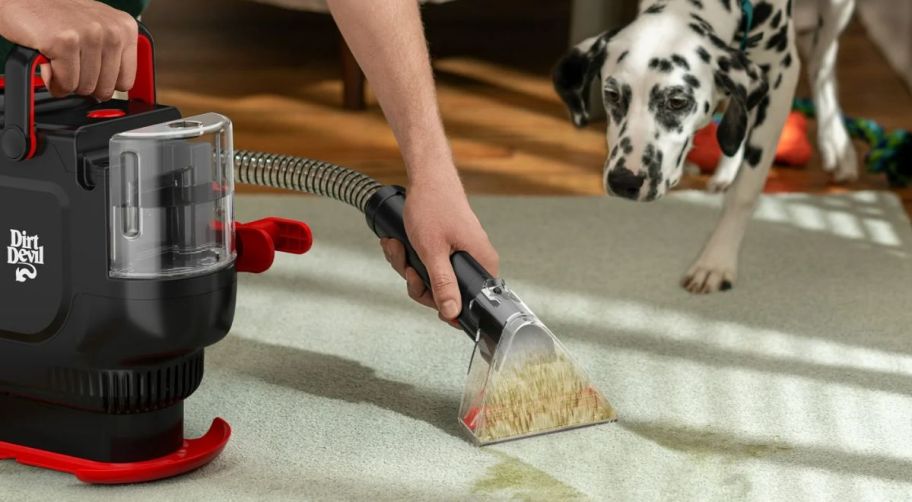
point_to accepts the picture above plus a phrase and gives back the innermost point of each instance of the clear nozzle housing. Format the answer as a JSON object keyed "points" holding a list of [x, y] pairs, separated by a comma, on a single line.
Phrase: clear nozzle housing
{"points": [[527, 384], [170, 193]]}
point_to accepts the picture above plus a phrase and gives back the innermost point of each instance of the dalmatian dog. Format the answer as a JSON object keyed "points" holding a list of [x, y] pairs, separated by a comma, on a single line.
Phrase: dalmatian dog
{"points": [[664, 76]]}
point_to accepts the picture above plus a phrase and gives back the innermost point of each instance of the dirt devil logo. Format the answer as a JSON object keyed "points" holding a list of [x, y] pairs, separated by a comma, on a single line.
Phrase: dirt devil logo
{"points": [[25, 253]]}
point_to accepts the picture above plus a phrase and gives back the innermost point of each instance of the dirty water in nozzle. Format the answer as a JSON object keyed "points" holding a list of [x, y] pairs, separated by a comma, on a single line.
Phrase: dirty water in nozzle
{"points": [[529, 386]]}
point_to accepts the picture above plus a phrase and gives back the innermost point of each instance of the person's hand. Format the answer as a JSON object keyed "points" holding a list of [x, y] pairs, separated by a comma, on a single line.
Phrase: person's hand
{"points": [[439, 222], [91, 46]]}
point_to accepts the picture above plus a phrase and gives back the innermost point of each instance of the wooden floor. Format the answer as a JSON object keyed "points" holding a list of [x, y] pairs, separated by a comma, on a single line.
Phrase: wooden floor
{"points": [[275, 73]]}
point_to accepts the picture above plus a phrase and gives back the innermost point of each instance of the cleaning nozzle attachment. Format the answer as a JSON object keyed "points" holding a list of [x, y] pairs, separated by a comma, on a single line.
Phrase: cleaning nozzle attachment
{"points": [[521, 381], [527, 384]]}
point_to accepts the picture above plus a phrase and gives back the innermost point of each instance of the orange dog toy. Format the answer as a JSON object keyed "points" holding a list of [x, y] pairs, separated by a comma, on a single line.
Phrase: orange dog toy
{"points": [[794, 148]]}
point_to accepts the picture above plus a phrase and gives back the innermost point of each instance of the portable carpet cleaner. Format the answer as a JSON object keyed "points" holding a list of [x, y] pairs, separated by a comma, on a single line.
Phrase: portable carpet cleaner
{"points": [[121, 265]]}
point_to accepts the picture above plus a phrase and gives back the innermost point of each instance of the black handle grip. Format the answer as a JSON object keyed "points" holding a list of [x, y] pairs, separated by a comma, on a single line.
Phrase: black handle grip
{"points": [[384, 212], [19, 138]]}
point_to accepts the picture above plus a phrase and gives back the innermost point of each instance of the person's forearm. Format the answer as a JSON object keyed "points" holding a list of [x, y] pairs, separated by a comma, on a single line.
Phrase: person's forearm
{"points": [[387, 39]]}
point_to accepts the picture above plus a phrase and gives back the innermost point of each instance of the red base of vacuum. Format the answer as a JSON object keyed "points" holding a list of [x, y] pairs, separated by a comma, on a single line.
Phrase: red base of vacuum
{"points": [[194, 454]]}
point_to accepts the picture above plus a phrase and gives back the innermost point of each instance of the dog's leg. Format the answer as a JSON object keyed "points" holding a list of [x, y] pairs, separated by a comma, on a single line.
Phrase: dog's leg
{"points": [[836, 148], [717, 266], [726, 172]]}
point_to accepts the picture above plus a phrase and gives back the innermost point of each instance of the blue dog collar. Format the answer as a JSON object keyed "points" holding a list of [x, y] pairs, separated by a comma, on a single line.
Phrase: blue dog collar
{"points": [[747, 9]]}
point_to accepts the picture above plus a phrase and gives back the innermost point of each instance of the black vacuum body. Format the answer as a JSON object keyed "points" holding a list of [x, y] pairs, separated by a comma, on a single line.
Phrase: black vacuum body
{"points": [[96, 364]]}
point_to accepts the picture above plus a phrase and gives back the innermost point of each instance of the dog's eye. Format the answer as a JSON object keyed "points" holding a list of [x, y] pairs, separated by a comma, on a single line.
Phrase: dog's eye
{"points": [[612, 96], [677, 103]]}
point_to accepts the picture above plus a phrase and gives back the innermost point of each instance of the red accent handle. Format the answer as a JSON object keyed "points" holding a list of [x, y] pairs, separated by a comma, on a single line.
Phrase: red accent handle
{"points": [[37, 82], [258, 241], [194, 454], [19, 139]]}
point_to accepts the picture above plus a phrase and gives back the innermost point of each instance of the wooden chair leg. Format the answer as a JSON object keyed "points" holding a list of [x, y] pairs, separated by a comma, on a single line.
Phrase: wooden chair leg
{"points": [[352, 79]]}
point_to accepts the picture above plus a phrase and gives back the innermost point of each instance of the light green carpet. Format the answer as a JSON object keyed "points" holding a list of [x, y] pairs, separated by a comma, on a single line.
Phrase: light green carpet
{"points": [[796, 385]]}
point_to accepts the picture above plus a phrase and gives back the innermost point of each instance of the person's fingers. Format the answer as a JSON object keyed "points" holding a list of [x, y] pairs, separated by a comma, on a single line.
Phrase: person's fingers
{"points": [[487, 256], [64, 67], [90, 52], [443, 282], [417, 290], [452, 322], [111, 58], [395, 254], [126, 76], [46, 74]]}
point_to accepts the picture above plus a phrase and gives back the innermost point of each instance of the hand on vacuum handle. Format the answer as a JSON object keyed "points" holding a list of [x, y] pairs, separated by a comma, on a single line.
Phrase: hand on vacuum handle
{"points": [[19, 141], [385, 216]]}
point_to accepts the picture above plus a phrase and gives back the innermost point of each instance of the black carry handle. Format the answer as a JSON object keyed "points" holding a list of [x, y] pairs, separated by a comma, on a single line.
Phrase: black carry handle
{"points": [[19, 139], [385, 211]]}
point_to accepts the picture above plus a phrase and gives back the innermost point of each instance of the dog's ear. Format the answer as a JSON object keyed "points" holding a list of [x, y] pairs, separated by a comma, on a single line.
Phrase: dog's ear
{"points": [[575, 71], [746, 86]]}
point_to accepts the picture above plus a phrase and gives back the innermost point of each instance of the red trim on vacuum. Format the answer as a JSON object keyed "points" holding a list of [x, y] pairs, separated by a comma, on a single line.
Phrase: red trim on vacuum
{"points": [[106, 113], [32, 127], [194, 454], [258, 241], [37, 82], [144, 85]]}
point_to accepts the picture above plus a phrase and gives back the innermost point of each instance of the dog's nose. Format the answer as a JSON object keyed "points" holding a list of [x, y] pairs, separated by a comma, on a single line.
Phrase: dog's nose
{"points": [[623, 182]]}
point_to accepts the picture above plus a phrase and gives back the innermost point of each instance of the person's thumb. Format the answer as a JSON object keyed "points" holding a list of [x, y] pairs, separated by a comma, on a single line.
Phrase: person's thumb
{"points": [[443, 284]]}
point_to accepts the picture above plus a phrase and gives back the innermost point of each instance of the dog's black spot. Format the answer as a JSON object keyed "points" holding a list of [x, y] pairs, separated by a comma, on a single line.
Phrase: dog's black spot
{"points": [[662, 65], [669, 118], [727, 4], [614, 152], [776, 19], [702, 22], [623, 129], [655, 8], [779, 41], [724, 63], [622, 56], [787, 60], [753, 155], [704, 54], [753, 99], [726, 285], [778, 82], [626, 145], [697, 3], [754, 40], [696, 28], [740, 62], [718, 42], [765, 68], [680, 61], [706, 107], [788, 8], [762, 11], [692, 81], [652, 162], [724, 82], [761, 111]]}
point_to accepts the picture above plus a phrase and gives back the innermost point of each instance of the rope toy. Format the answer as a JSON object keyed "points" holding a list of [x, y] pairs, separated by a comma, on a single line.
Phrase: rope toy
{"points": [[889, 153]]}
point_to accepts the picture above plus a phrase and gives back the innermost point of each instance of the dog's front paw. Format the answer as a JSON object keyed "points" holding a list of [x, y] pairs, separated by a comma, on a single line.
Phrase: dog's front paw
{"points": [[719, 184], [838, 154], [710, 275]]}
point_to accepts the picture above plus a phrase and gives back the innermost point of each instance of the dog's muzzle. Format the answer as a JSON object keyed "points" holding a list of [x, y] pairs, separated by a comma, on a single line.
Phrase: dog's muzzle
{"points": [[624, 183]]}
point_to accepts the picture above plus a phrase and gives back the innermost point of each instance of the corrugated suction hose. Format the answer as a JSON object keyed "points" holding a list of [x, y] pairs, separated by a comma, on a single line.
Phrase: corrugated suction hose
{"points": [[305, 175]]}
